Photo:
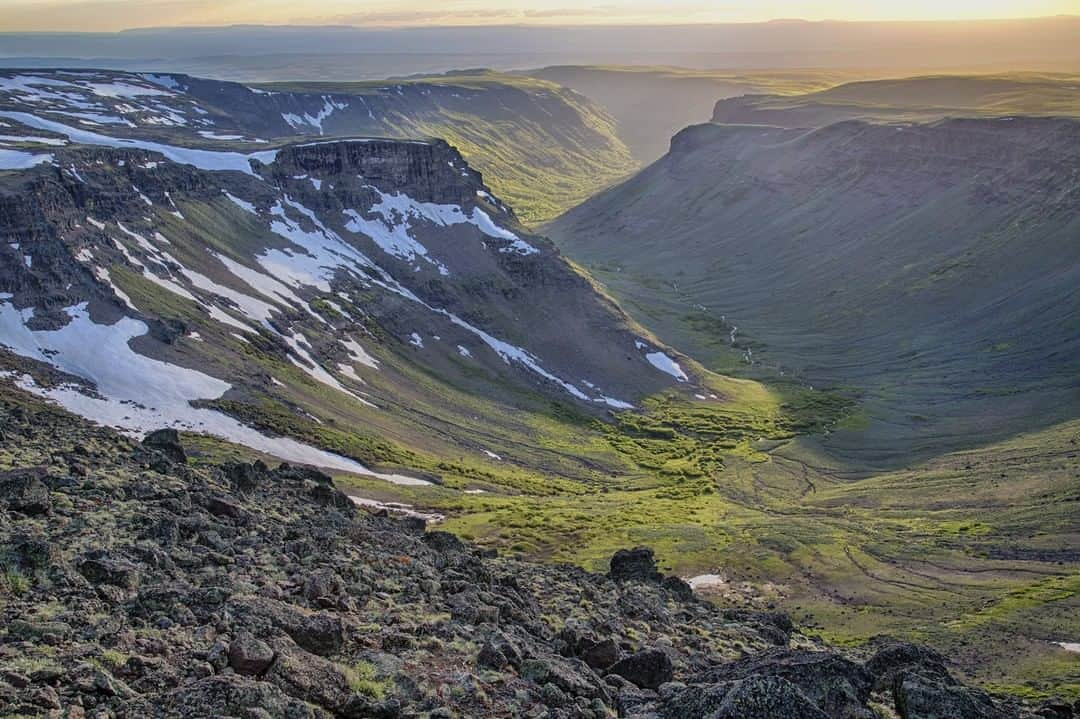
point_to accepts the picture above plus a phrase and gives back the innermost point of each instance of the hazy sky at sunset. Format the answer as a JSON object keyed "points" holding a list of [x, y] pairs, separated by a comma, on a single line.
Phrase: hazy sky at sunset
{"points": [[105, 15]]}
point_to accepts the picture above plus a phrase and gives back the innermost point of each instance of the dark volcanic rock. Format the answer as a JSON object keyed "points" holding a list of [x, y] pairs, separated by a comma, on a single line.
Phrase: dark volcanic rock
{"points": [[443, 542], [229, 695], [105, 569], [167, 441], [636, 564], [678, 587], [599, 655], [838, 686], [246, 477], [647, 669], [899, 657], [22, 490], [491, 657], [318, 632], [752, 698], [311, 678], [767, 698], [32, 553], [921, 697], [222, 507], [248, 655], [323, 584]]}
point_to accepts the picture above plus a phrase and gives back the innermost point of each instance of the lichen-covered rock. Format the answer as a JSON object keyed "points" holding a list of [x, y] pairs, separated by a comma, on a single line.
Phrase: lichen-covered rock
{"points": [[308, 677], [167, 441], [638, 565], [599, 654], [100, 567], [321, 633], [23, 491], [767, 698], [249, 656], [838, 686], [921, 697], [226, 695], [897, 657], [647, 669]]}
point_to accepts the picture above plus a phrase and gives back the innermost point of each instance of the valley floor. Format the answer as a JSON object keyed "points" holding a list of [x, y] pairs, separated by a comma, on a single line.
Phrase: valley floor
{"points": [[974, 553]]}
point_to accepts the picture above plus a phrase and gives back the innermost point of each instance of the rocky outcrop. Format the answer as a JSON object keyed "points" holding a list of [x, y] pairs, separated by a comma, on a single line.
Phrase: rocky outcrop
{"points": [[166, 441], [249, 656], [922, 697], [23, 491], [429, 171], [639, 565], [648, 669], [838, 686]]}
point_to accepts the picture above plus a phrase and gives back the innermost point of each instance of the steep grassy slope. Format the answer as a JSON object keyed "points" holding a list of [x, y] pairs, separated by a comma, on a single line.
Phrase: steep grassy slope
{"points": [[916, 99], [931, 270], [650, 104], [542, 147]]}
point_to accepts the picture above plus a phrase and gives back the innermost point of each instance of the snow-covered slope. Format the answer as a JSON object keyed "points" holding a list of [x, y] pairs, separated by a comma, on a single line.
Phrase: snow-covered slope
{"points": [[157, 284]]}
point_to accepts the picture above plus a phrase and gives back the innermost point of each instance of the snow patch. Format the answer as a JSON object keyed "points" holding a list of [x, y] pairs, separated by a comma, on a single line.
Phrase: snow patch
{"points": [[137, 394], [397, 508], [19, 160], [358, 354], [706, 582], [662, 362], [202, 159], [300, 345], [242, 204], [297, 122]]}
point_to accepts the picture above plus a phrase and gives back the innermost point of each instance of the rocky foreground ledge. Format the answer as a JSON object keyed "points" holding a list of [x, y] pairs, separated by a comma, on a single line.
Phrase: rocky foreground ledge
{"points": [[135, 584]]}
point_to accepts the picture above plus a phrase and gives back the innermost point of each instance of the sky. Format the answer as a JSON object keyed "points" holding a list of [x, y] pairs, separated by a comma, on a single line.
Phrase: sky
{"points": [[113, 15]]}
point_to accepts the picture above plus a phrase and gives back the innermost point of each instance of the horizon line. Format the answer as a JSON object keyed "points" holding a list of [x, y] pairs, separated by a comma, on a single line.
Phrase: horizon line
{"points": [[539, 25]]}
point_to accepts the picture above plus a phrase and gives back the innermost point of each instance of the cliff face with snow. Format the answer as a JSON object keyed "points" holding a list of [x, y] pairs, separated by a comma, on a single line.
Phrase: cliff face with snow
{"points": [[542, 146], [148, 283]]}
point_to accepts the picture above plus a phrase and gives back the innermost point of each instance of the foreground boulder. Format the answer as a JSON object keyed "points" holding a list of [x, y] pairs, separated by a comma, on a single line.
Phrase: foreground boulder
{"points": [[249, 656], [636, 565], [767, 698], [836, 685], [167, 441], [899, 657], [647, 669], [23, 491], [921, 697], [101, 568]]}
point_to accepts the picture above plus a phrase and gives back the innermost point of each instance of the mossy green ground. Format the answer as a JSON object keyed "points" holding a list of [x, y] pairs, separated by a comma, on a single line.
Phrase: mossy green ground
{"points": [[969, 553]]}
